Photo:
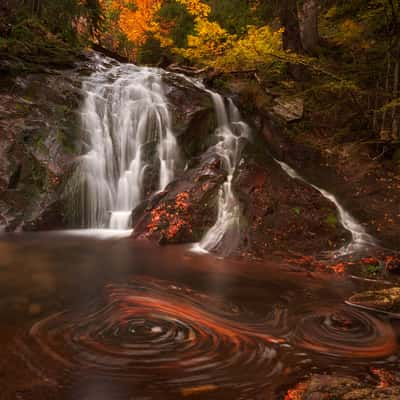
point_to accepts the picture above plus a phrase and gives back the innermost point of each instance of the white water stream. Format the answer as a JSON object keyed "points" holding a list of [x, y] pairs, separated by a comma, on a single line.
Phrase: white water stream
{"points": [[225, 233], [127, 133], [359, 237]]}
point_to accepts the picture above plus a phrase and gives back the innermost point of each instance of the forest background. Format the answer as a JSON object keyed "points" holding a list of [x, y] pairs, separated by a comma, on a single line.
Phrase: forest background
{"points": [[342, 58]]}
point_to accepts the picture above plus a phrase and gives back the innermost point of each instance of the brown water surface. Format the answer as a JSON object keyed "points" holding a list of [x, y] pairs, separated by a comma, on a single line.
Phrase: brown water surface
{"points": [[85, 318]]}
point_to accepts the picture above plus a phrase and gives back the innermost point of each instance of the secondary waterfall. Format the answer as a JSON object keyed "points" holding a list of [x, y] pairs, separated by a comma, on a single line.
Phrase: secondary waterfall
{"points": [[359, 237], [231, 130], [128, 137]]}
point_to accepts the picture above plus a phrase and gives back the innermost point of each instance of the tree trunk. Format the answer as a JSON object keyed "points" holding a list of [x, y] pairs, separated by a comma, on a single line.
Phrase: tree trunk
{"points": [[383, 132], [290, 21], [291, 36], [396, 73], [308, 19]]}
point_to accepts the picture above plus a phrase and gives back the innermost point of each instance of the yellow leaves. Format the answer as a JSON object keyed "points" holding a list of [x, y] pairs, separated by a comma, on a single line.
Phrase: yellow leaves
{"points": [[332, 12], [209, 42], [113, 4], [212, 45], [165, 41], [196, 8], [209, 35], [350, 30], [353, 34], [257, 47]]}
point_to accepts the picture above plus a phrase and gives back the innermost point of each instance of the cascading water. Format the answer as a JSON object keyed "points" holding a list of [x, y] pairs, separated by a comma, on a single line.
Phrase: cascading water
{"points": [[225, 233], [359, 237], [128, 136]]}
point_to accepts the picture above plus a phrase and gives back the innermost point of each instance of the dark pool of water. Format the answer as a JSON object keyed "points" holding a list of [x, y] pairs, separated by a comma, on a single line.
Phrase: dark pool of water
{"points": [[84, 318]]}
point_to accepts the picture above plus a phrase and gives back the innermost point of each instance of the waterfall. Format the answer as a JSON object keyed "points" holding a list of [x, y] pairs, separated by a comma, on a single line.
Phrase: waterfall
{"points": [[131, 151], [359, 237], [224, 235], [128, 142]]}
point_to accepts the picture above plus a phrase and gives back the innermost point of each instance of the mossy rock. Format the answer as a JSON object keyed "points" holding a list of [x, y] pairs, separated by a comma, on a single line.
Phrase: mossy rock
{"points": [[385, 300]]}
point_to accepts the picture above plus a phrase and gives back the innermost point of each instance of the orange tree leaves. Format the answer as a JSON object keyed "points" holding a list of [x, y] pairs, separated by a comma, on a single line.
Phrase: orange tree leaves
{"points": [[137, 18], [209, 44], [171, 219]]}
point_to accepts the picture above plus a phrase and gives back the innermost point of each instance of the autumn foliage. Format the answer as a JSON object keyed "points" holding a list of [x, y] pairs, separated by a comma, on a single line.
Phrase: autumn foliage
{"points": [[137, 22], [208, 43], [172, 219]]}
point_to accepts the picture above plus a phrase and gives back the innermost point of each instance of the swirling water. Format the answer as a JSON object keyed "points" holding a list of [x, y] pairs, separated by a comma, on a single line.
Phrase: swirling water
{"points": [[91, 319]]}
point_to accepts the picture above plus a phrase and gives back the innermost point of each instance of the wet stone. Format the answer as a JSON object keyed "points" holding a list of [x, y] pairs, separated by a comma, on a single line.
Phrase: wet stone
{"points": [[385, 300], [325, 387]]}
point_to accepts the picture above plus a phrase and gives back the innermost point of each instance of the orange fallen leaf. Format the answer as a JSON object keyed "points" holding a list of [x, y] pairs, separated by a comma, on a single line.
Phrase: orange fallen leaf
{"points": [[198, 389], [297, 392]]}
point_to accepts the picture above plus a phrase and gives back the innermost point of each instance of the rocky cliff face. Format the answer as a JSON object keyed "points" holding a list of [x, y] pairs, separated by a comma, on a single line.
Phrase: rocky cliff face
{"points": [[40, 142], [39, 126]]}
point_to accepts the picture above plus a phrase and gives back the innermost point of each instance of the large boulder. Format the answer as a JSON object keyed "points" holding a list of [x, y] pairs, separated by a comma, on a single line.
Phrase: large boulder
{"points": [[289, 110], [187, 207]]}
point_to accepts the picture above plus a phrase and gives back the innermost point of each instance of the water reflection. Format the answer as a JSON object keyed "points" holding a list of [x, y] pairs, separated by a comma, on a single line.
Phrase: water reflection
{"points": [[89, 319]]}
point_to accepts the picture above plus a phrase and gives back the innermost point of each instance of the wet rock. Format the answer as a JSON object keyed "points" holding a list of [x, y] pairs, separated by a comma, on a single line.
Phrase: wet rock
{"points": [[193, 119], [289, 110], [187, 207], [283, 213], [336, 386], [51, 214], [385, 300], [330, 387], [39, 127], [279, 213]]}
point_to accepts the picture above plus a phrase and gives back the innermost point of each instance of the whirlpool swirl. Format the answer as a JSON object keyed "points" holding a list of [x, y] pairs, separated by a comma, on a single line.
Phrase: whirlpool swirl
{"points": [[345, 332], [153, 331]]}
